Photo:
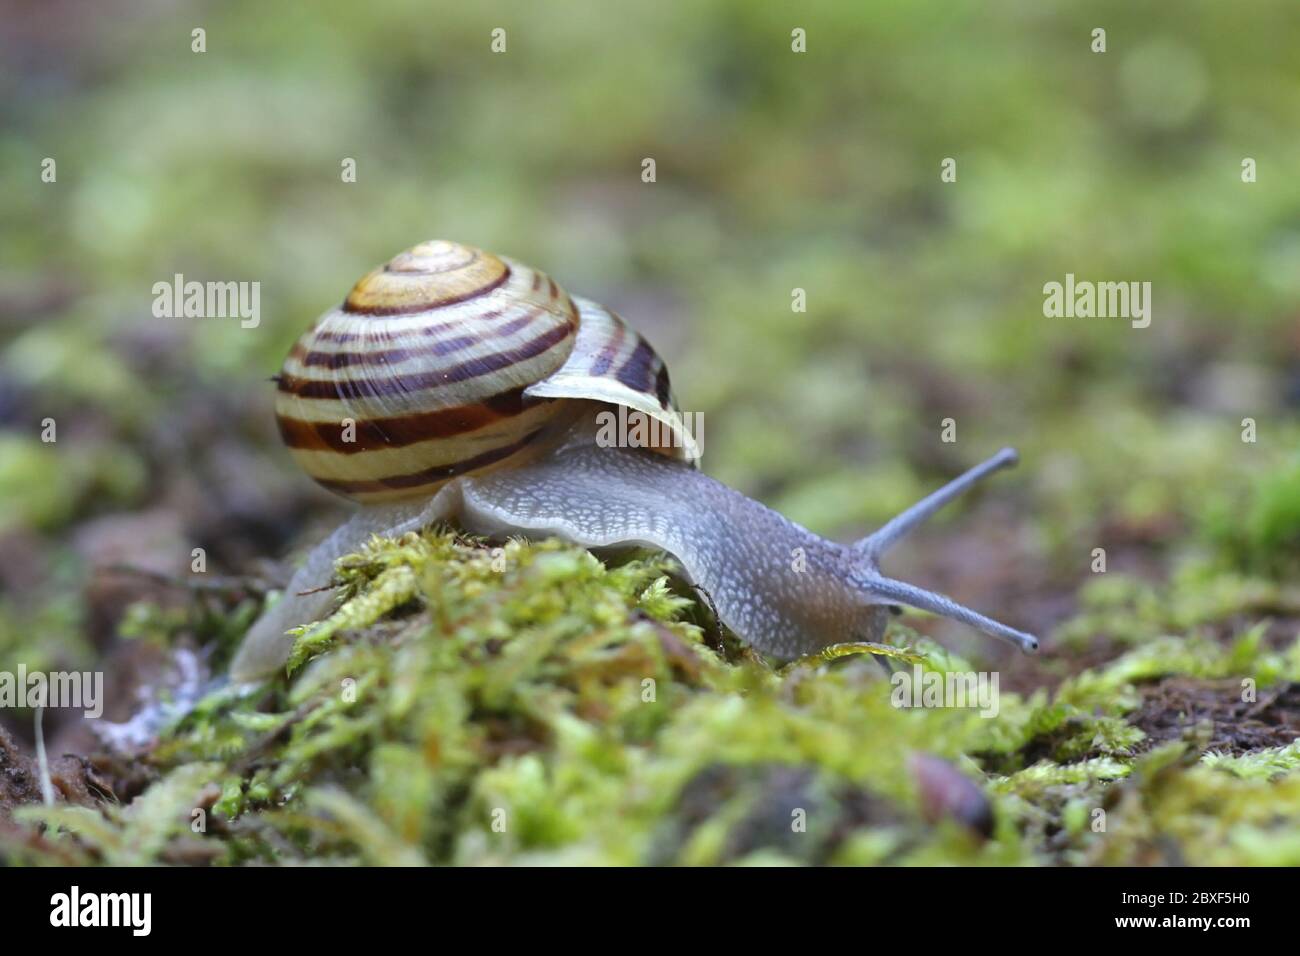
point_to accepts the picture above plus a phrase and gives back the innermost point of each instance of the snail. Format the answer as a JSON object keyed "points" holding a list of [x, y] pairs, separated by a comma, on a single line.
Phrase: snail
{"points": [[453, 385]]}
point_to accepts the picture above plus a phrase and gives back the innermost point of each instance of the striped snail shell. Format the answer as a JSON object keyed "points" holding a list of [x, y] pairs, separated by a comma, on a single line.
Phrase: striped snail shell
{"points": [[448, 360], [457, 386]]}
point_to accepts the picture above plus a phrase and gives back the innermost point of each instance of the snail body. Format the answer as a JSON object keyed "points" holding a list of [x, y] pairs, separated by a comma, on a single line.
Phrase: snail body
{"points": [[456, 386]]}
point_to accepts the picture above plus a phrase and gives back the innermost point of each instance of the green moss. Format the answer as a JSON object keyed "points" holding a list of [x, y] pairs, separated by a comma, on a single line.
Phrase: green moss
{"points": [[1263, 764], [1258, 528], [43, 485], [530, 704]]}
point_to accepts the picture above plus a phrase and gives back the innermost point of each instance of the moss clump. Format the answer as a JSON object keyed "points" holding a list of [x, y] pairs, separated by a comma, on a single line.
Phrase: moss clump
{"points": [[1259, 527], [528, 704]]}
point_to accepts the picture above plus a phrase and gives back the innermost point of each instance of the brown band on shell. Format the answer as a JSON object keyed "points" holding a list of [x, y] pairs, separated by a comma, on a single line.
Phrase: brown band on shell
{"points": [[403, 430], [445, 343], [638, 372], [663, 388], [377, 387], [429, 476]]}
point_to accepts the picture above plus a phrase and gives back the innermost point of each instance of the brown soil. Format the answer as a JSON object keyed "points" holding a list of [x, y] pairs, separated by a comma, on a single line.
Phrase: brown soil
{"points": [[1172, 705]]}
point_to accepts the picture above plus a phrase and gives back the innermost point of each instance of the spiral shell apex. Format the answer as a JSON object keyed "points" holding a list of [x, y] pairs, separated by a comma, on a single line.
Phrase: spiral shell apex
{"points": [[428, 276]]}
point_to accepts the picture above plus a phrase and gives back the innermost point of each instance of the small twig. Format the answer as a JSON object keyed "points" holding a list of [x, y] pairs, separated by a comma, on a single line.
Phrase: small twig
{"points": [[324, 587], [196, 583]]}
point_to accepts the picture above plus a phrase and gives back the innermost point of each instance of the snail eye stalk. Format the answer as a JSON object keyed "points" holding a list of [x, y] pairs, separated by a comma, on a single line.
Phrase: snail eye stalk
{"points": [[897, 528], [879, 589]]}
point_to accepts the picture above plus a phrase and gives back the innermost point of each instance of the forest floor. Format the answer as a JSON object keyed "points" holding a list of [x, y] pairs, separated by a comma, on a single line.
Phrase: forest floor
{"points": [[532, 704]]}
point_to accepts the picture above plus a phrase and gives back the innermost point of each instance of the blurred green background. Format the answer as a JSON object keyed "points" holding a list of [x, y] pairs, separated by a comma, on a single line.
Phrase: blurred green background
{"points": [[775, 170]]}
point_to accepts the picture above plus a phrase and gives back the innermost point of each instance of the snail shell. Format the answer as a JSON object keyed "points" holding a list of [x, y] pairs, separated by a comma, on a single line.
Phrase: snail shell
{"points": [[448, 361]]}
